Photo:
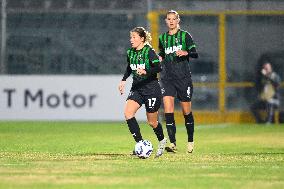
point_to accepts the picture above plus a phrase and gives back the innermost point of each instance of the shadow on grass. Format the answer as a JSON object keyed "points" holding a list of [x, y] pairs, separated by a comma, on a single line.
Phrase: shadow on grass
{"points": [[104, 156], [255, 153]]}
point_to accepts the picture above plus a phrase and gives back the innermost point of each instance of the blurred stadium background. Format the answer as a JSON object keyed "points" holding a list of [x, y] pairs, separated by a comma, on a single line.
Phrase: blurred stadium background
{"points": [[45, 43]]}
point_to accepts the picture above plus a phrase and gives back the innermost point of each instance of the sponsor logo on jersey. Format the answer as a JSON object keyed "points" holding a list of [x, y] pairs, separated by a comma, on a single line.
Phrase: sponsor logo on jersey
{"points": [[173, 49], [140, 57], [137, 66], [176, 39]]}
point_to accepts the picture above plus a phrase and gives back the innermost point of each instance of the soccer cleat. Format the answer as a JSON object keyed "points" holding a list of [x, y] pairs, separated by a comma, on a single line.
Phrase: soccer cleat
{"points": [[161, 147], [171, 148], [190, 147]]}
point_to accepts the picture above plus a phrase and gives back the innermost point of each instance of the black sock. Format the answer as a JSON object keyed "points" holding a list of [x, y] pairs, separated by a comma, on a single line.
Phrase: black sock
{"points": [[189, 124], [159, 132], [134, 129], [171, 127]]}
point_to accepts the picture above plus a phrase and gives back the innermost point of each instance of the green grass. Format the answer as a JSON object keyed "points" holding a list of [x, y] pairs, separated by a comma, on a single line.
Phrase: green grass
{"points": [[96, 155]]}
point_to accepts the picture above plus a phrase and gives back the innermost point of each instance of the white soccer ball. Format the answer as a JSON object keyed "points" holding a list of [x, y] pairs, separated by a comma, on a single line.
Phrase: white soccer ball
{"points": [[143, 149]]}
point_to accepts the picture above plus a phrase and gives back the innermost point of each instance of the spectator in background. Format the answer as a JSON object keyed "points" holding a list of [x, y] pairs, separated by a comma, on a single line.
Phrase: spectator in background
{"points": [[267, 86]]}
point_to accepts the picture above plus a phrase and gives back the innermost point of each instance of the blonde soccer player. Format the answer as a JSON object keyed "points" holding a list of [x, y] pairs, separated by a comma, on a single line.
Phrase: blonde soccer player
{"points": [[176, 48]]}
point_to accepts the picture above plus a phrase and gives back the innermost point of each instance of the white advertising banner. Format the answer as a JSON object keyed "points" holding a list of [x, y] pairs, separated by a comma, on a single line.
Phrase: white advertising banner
{"points": [[86, 98]]}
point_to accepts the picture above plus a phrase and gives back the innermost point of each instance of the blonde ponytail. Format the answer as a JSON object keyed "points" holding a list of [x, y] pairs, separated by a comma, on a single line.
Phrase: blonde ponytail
{"points": [[148, 38], [143, 33]]}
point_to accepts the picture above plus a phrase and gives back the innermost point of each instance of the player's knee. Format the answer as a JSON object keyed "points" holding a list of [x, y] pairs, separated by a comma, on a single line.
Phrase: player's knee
{"points": [[186, 112], [128, 115], [153, 124], [169, 109]]}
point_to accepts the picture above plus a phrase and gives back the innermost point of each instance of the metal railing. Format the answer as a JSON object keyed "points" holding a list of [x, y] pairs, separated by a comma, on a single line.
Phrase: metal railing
{"points": [[223, 83]]}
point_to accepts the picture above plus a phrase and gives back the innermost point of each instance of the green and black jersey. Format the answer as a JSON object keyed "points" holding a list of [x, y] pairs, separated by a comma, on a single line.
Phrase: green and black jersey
{"points": [[145, 58], [175, 67]]}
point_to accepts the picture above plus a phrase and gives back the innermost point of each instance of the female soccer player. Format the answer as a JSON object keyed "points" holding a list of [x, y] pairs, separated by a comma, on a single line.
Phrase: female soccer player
{"points": [[176, 47], [143, 64]]}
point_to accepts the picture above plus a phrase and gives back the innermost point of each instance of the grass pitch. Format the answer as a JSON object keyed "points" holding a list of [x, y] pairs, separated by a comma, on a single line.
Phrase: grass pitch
{"points": [[96, 155]]}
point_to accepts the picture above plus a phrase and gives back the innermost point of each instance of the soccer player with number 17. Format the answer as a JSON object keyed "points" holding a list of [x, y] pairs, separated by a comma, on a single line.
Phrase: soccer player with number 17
{"points": [[143, 64]]}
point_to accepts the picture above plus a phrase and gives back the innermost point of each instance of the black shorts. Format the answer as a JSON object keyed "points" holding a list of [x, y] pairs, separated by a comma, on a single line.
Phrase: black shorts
{"points": [[150, 95], [181, 88]]}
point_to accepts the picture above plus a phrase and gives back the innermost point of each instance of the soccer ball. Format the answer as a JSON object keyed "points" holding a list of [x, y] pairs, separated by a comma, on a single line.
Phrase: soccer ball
{"points": [[143, 149]]}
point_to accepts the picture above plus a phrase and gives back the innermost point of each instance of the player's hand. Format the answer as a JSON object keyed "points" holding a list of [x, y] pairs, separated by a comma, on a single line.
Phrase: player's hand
{"points": [[181, 53], [121, 87], [140, 71], [264, 72], [160, 58]]}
